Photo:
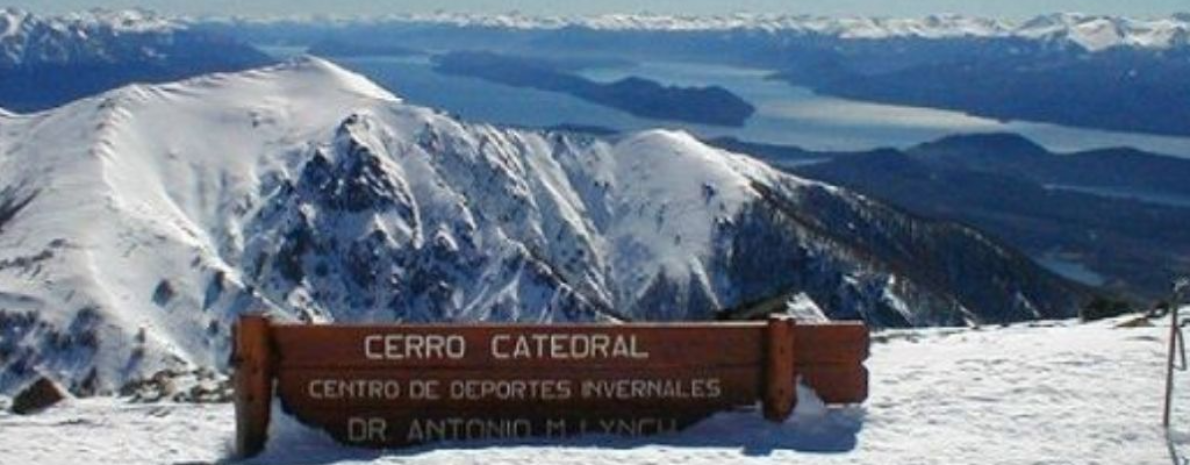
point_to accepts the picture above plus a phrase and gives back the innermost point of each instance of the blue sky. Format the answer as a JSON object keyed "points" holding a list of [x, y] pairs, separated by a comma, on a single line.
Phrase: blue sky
{"points": [[995, 8]]}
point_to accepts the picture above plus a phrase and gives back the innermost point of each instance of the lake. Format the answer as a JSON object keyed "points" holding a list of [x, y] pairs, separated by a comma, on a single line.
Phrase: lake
{"points": [[786, 115]]}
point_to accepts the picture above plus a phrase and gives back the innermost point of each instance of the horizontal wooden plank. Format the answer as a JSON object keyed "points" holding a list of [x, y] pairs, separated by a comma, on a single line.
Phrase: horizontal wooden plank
{"points": [[545, 346], [831, 343], [573, 388], [526, 389], [406, 428], [496, 346], [837, 384]]}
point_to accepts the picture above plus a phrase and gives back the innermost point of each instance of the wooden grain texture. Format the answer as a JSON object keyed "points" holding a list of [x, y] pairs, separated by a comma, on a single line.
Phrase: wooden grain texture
{"points": [[374, 385], [342, 346], [575, 388], [398, 428], [837, 384], [252, 359], [831, 343], [780, 394], [675, 346]]}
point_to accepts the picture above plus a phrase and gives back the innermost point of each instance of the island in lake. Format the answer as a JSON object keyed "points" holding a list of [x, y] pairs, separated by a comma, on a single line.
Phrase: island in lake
{"points": [[640, 97]]}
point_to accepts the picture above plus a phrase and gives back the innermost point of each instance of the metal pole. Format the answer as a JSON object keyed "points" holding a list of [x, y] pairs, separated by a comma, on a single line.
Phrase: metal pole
{"points": [[1181, 289], [1173, 335]]}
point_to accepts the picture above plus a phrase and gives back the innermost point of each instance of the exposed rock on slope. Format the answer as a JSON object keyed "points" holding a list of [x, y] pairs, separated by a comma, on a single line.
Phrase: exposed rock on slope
{"points": [[163, 212]]}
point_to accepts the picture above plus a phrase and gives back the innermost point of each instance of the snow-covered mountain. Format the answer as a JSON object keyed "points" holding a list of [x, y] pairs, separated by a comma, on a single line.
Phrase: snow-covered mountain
{"points": [[136, 225], [1090, 32], [46, 61], [97, 36], [27, 39]]}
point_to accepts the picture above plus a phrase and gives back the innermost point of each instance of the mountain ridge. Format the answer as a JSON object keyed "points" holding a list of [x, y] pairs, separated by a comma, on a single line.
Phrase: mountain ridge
{"points": [[1090, 32], [1117, 216], [308, 192], [47, 61]]}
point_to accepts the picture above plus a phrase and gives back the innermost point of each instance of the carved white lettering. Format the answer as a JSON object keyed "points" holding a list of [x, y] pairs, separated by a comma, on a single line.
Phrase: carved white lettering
{"points": [[566, 347], [366, 429], [325, 389], [414, 347]]}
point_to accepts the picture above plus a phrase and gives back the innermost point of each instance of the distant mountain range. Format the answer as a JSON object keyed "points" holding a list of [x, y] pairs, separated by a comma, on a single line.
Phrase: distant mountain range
{"points": [[136, 225], [1116, 217], [48, 61], [1080, 70], [1089, 32]]}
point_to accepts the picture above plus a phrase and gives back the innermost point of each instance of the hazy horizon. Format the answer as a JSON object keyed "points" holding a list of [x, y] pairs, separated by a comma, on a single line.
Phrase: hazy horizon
{"points": [[1013, 9]]}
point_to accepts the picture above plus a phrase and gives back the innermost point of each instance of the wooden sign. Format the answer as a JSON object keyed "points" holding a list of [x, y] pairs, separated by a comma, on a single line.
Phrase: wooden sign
{"points": [[398, 385]]}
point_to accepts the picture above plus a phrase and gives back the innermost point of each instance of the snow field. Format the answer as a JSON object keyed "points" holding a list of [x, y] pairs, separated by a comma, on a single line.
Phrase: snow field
{"points": [[1041, 393]]}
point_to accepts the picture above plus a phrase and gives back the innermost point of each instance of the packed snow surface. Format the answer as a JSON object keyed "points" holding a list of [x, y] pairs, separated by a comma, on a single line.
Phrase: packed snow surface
{"points": [[1049, 393]]}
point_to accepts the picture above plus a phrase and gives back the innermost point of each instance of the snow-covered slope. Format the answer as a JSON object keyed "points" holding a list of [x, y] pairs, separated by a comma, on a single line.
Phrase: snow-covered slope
{"points": [[1095, 33], [46, 61], [136, 225], [1056, 393], [96, 36]]}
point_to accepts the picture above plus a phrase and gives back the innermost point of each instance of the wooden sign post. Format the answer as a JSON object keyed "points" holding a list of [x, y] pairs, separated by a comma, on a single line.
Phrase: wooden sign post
{"points": [[398, 385]]}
